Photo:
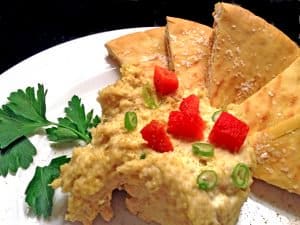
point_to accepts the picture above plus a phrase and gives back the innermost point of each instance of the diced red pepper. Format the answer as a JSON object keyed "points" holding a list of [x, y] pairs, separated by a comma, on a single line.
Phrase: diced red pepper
{"points": [[186, 126], [190, 105], [155, 135], [228, 133], [165, 81]]}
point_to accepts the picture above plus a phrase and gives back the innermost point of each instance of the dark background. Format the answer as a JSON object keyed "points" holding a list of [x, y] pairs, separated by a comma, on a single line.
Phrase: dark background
{"points": [[28, 27]]}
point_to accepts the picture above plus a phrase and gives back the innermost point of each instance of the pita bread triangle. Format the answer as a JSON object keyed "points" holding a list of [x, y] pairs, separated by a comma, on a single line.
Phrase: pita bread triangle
{"points": [[273, 114], [276, 101], [247, 53], [140, 49], [278, 154], [188, 45]]}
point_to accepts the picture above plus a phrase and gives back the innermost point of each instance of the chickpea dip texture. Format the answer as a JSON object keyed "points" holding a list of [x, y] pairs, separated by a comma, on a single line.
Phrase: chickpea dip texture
{"points": [[162, 186]]}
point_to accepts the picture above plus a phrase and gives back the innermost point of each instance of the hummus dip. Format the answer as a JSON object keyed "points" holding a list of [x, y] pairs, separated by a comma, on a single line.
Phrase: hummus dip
{"points": [[161, 187]]}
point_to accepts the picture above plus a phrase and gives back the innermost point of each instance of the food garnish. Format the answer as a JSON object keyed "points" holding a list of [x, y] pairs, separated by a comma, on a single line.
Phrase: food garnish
{"points": [[190, 105], [228, 133], [18, 154], [215, 115], [207, 180], [39, 193], [240, 175], [143, 155], [187, 123], [75, 125], [130, 121], [155, 134], [25, 114], [22, 115], [165, 81], [149, 97], [203, 149]]}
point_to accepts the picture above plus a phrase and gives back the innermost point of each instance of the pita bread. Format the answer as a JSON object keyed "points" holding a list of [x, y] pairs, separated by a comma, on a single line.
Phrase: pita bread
{"points": [[276, 101], [278, 154], [188, 49], [140, 48], [247, 52]]}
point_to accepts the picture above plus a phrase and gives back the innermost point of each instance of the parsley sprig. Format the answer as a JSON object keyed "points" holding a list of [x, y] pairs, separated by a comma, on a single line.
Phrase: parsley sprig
{"points": [[24, 115], [39, 193]]}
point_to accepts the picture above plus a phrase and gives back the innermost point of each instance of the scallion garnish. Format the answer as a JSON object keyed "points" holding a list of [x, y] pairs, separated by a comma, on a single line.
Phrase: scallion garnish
{"points": [[143, 155], [149, 97], [240, 175], [207, 180], [130, 121], [215, 115], [203, 149]]}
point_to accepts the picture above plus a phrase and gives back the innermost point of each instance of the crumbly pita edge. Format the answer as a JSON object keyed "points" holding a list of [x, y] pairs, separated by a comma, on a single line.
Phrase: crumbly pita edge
{"points": [[247, 53]]}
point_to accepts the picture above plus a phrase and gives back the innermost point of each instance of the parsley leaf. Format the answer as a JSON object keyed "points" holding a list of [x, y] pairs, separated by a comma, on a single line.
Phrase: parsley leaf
{"points": [[22, 115], [75, 125], [18, 154], [39, 193]]}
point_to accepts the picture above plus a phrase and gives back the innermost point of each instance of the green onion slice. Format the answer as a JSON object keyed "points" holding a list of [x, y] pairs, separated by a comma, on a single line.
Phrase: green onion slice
{"points": [[215, 115], [143, 155], [203, 149], [207, 180], [149, 97], [240, 175], [130, 121]]}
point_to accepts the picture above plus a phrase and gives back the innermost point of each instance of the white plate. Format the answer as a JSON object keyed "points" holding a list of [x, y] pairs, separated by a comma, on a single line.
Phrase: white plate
{"points": [[81, 67]]}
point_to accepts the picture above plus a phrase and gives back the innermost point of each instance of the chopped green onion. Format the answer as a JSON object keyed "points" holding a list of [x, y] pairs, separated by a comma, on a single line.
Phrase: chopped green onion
{"points": [[215, 115], [130, 121], [207, 180], [240, 175], [143, 155], [203, 149], [149, 97]]}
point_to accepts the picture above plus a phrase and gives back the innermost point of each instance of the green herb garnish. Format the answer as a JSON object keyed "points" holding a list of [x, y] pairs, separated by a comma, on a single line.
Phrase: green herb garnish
{"points": [[130, 121], [240, 175], [207, 180], [149, 97], [143, 155], [39, 193], [203, 149], [75, 125], [215, 115], [18, 154]]}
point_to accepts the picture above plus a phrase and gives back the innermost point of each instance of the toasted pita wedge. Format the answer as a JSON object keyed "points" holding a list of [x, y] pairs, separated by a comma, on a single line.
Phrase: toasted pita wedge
{"points": [[247, 53], [276, 101], [188, 50], [140, 48], [278, 154]]}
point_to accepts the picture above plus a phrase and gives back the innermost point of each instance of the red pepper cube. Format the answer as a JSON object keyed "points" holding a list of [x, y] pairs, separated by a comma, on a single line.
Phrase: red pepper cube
{"points": [[190, 105], [165, 81], [155, 135], [189, 127], [228, 132]]}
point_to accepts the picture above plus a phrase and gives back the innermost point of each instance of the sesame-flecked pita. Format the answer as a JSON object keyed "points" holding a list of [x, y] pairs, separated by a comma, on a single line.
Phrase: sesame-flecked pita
{"points": [[188, 49], [247, 52], [278, 154], [276, 101], [274, 111], [140, 48]]}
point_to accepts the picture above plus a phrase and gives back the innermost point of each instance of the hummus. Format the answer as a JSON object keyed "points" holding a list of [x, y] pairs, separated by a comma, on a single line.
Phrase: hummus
{"points": [[161, 187]]}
